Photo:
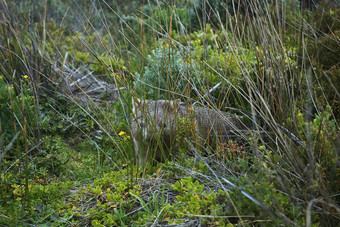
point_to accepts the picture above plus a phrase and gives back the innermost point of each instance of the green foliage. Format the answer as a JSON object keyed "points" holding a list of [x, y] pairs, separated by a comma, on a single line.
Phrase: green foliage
{"points": [[155, 206], [259, 181], [321, 136], [66, 12], [12, 106], [168, 73], [56, 112], [6, 94], [113, 198], [13, 53], [193, 199], [19, 54], [332, 97], [166, 18], [81, 48], [52, 158], [326, 19], [231, 153], [208, 11], [107, 63], [254, 62], [185, 131], [218, 61], [51, 201], [326, 50], [265, 191], [44, 200]]}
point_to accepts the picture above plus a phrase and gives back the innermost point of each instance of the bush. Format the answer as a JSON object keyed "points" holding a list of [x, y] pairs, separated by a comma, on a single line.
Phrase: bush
{"points": [[11, 109], [167, 74]]}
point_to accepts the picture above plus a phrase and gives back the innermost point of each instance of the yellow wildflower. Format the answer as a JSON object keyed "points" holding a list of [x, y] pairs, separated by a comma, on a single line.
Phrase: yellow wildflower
{"points": [[126, 138], [25, 76], [124, 67], [121, 133]]}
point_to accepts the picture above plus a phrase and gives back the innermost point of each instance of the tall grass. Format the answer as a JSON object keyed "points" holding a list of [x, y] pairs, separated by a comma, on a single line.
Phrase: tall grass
{"points": [[267, 74]]}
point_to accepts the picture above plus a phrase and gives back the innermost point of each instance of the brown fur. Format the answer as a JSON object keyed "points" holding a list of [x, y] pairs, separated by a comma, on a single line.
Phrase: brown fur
{"points": [[154, 125]]}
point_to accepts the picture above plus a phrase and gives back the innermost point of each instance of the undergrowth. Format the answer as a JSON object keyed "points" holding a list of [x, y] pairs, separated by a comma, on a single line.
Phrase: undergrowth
{"points": [[69, 162]]}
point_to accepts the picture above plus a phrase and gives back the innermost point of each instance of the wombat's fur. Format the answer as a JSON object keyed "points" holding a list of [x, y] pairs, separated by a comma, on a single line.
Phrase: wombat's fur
{"points": [[154, 123]]}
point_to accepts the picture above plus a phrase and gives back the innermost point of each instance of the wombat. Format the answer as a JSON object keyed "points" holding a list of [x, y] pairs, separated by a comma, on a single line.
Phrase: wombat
{"points": [[154, 126]]}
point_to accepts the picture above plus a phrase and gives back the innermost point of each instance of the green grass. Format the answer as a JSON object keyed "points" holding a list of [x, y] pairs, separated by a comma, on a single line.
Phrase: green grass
{"points": [[64, 163]]}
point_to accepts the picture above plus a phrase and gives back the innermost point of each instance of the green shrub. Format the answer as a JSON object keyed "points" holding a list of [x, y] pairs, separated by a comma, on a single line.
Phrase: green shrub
{"points": [[112, 197], [7, 93], [219, 61], [165, 17], [167, 74], [45, 199], [320, 135], [11, 109]]}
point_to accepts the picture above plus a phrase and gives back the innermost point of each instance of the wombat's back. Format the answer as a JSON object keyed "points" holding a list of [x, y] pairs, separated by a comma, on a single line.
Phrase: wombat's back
{"points": [[210, 123]]}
